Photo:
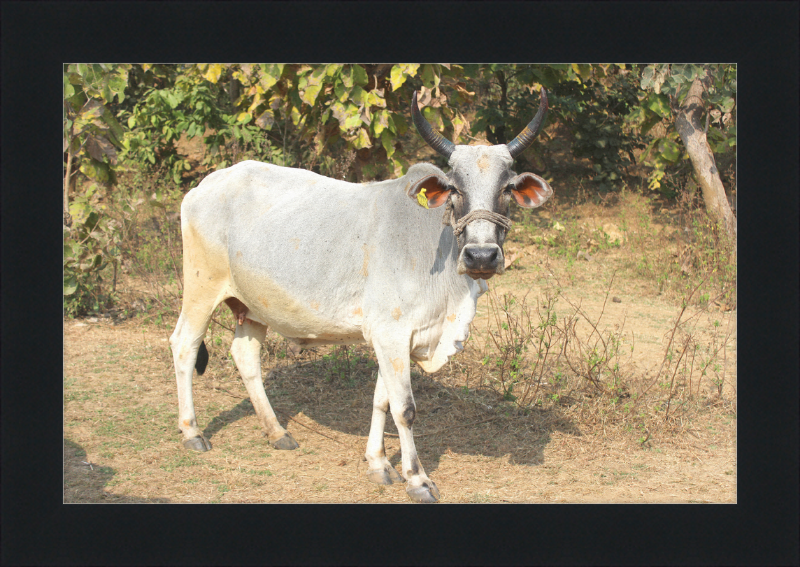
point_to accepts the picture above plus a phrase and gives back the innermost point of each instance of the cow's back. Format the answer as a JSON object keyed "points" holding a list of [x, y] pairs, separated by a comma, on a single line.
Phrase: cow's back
{"points": [[295, 224]]}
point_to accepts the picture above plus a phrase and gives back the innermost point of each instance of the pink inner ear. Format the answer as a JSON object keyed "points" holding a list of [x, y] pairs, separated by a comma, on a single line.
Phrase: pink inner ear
{"points": [[531, 191], [435, 190]]}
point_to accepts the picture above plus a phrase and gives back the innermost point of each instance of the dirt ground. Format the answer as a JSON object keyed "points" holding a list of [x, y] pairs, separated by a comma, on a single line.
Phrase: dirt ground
{"points": [[122, 444]]}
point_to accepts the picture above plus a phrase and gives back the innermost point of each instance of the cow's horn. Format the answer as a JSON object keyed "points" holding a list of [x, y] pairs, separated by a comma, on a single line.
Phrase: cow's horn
{"points": [[521, 142], [435, 140]]}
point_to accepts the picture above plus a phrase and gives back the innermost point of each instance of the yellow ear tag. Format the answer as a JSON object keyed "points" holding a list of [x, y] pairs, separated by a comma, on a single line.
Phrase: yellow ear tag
{"points": [[421, 198]]}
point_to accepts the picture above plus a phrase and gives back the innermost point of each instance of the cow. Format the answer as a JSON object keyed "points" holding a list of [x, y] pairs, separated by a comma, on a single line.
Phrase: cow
{"points": [[397, 264]]}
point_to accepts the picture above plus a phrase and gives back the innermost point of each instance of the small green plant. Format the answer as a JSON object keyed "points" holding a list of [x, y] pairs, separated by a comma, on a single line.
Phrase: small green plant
{"points": [[524, 343], [480, 498], [595, 358], [260, 472], [339, 363], [345, 363], [686, 364], [178, 461]]}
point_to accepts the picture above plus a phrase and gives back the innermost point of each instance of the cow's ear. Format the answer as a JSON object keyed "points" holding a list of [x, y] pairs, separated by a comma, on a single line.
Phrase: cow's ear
{"points": [[430, 191], [530, 191]]}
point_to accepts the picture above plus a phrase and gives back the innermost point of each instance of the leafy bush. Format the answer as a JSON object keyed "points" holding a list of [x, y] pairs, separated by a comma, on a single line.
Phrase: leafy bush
{"points": [[596, 110], [92, 135], [89, 247], [189, 106], [285, 114]]}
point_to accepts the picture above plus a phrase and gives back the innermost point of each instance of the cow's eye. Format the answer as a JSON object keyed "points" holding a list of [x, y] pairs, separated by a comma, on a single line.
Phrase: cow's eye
{"points": [[454, 189], [509, 188]]}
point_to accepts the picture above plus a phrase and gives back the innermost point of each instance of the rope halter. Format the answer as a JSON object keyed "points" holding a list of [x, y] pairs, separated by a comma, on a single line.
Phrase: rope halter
{"points": [[477, 214]]}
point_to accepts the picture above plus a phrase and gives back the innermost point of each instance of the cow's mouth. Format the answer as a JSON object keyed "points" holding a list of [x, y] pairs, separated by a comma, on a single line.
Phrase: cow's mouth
{"points": [[476, 275]]}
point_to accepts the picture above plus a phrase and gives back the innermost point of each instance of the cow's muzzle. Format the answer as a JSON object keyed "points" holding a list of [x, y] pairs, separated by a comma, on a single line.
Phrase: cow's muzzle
{"points": [[481, 261]]}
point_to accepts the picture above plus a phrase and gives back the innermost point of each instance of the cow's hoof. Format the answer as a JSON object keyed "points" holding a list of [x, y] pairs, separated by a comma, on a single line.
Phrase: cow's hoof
{"points": [[198, 443], [286, 443], [424, 494], [385, 476]]}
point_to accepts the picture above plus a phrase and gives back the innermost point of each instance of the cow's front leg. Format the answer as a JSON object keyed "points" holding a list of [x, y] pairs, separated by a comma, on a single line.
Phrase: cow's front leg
{"points": [[380, 470], [394, 363]]}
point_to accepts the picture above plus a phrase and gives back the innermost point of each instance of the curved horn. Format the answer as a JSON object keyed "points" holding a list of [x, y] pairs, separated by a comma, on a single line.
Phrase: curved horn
{"points": [[435, 140], [521, 142]]}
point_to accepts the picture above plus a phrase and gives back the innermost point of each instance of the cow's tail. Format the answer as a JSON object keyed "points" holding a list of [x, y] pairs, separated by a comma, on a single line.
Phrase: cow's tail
{"points": [[202, 358]]}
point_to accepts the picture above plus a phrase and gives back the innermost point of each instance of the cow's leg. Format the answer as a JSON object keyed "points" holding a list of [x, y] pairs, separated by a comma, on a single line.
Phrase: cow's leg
{"points": [[394, 363], [246, 351], [380, 470], [185, 342]]}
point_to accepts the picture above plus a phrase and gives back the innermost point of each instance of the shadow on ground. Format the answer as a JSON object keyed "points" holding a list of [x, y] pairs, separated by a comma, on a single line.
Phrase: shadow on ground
{"points": [[86, 482], [448, 418]]}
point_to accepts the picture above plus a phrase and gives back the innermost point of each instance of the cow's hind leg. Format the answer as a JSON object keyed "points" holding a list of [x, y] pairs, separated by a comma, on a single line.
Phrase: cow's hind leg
{"points": [[246, 351], [186, 342], [380, 470]]}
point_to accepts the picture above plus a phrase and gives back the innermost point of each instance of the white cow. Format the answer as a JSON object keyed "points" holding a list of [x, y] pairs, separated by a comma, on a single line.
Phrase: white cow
{"points": [[323, 261]]}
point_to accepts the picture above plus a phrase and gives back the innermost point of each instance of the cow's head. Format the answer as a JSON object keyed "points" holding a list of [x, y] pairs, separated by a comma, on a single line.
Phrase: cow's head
{"points": [[478, 191]]}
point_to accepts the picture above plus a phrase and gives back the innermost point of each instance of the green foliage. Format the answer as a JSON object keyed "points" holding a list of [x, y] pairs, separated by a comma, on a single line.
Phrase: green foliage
{"points": [[187, 105], [286, 114], [293, 114], [92, 134], [591, 100]]}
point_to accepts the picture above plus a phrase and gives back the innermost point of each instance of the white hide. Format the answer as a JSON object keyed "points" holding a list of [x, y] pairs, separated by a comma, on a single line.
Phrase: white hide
{"points": [[323, 261]]}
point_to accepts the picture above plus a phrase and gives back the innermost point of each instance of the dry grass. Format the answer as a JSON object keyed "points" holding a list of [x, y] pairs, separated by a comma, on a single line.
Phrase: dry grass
{"points": [[120, 410]]}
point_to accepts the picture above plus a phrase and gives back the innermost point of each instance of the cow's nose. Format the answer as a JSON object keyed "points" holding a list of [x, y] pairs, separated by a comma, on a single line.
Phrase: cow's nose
{"points": [[481, 258]]}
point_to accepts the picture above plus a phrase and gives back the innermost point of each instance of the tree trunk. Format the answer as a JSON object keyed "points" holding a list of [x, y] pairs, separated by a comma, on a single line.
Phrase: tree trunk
{"points": [[497, 135], [691, 130], [67, 217], [500, 131], [68, 176]]}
